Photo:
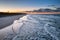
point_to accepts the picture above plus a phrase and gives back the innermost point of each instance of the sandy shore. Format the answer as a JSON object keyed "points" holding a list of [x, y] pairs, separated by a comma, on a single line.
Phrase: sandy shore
{"points": [[8, 20]]}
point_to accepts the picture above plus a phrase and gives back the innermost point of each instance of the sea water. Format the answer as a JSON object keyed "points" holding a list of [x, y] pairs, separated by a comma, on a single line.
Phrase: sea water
{"points": [[33, 27]]}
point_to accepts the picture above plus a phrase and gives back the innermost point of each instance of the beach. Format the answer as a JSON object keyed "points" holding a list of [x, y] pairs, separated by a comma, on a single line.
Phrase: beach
{"points": [[8, 20]]}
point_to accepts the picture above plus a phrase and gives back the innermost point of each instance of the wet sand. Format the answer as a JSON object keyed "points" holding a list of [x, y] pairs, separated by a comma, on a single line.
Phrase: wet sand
{"points": [[8, 20]]}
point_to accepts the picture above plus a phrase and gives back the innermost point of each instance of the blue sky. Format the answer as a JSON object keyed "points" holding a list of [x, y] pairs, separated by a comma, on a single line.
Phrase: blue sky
{"points": [[27, 4]]}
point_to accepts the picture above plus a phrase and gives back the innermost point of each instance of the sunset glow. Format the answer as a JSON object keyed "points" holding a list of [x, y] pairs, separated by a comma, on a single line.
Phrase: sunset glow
{"points": [[16, 9], [26, 5]]}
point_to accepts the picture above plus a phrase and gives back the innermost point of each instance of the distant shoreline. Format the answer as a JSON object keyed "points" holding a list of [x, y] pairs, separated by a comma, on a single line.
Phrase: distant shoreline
{"points": [[4, 14], [42, 12]]}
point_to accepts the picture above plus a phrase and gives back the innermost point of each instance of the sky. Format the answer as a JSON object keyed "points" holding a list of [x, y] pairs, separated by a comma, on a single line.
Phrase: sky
{"points": [[26, 5]]}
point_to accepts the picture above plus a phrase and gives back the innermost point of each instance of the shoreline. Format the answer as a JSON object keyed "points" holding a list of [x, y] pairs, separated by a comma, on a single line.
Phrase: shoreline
{"points": [[8, 20]]}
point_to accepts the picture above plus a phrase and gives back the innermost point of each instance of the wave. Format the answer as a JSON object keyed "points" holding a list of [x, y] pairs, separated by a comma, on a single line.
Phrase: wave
{"points": [[36, 27]]}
